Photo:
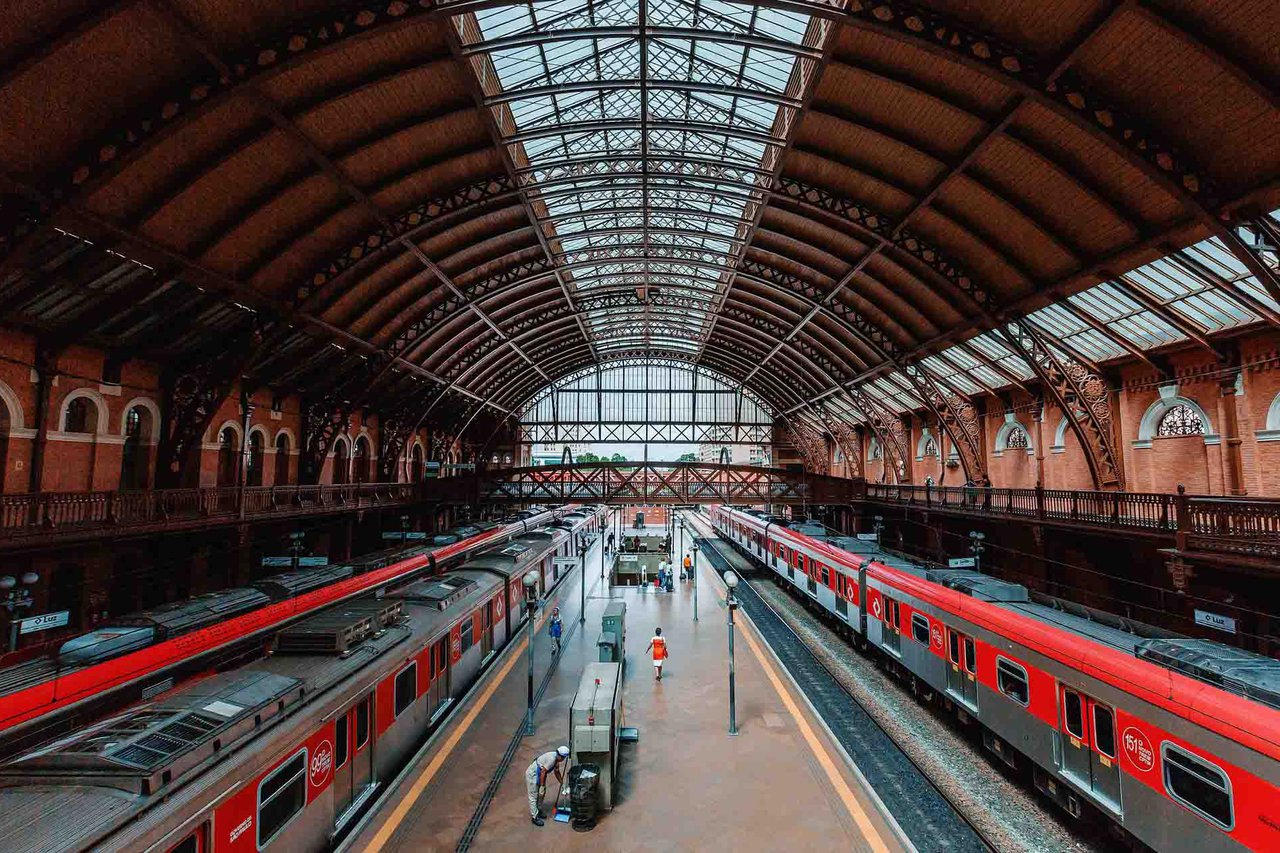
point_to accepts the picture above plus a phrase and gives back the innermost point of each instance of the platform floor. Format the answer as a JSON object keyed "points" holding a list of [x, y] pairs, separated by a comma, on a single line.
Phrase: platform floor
{"points": [[782, 783]]}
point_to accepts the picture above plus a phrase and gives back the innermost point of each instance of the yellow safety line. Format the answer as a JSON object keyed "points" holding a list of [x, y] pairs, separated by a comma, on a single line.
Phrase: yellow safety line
{"points": [[393, 822], [868, 829], [860, 817], [397, 817]]}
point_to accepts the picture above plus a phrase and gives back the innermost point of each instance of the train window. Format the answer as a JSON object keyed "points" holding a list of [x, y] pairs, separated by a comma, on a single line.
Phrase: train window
{"points": [[1011, 678], [1073, 713], [920, 628], [1104, 730], [826, 576], [281, 797], [406, 688], [362, 724], [341, 736], [1200, 786], [468, 635], [897, 617], [970, 657], [954, 649], [193, 843]]}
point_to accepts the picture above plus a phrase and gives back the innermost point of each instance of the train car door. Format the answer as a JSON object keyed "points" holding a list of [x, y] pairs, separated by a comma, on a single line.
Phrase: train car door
{"points": [[438, 692], [1104, 768], [1074, 737], [842, 595], [862, 599], [962, 668], [891, 634], [486, 632], [352, 757]]}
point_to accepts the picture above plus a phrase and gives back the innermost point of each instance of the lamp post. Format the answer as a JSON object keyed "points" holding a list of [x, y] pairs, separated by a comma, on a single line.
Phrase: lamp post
{"points": [[296, 547], [694, 548], [15, 599], [404, 530], [582, 581], [731, 581], [878, 528], [976, 548], [530, 581]]}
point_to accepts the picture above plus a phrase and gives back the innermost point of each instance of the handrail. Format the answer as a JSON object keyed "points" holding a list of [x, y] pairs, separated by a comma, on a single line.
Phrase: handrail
{"points": [[1249, 526], [23, 515]]}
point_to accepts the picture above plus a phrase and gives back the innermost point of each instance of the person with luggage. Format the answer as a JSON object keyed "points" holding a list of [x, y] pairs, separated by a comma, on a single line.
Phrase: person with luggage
{"points": [[686, 569], [535, 780], [659, 646], [555, 629]]}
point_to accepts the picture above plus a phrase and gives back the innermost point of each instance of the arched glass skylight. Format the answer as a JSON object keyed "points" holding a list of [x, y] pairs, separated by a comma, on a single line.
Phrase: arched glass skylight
{"points": [[644, 134]]}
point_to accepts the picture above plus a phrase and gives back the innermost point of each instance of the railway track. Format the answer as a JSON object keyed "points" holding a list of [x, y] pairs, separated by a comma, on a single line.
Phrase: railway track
{"points": [[926, 813]]}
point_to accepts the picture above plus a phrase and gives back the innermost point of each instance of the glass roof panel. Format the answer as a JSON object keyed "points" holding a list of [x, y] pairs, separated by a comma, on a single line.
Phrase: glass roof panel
{"points": [[646, 134]]}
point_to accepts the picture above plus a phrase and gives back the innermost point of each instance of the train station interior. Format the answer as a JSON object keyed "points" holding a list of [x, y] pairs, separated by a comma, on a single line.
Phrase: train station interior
{"points": [[376, 377]]}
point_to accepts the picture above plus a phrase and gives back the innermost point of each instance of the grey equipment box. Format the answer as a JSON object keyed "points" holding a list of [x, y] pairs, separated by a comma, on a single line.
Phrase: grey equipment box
{"points": [[595, 724], [614, 622], [608, 646]]}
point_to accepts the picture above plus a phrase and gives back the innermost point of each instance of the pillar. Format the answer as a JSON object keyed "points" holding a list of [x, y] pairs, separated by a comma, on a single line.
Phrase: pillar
{"points": [[1228, 416]]}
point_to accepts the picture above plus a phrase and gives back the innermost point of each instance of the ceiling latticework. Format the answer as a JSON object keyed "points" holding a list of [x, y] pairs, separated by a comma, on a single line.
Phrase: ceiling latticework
{"points": [[443, 207]]}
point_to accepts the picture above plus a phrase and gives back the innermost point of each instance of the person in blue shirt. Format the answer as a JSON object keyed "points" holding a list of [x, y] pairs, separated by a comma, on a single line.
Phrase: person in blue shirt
{"points": [[556, 628]]}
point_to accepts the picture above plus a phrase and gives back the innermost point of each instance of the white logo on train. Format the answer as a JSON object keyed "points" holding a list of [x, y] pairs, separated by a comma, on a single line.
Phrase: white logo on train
{"points": [[875, 607], [321, 764], [936, 634], [1138, 748]]}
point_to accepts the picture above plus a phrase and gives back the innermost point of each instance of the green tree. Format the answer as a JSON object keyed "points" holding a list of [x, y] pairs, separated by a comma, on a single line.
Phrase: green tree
{"points": [[589, 457], [618, 457], [688, 457]]}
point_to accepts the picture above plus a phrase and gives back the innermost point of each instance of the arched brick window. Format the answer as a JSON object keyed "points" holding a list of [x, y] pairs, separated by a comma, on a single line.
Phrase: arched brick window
{"points": [[1018, 438], [228, 440], [282, 460], [415, 464], [82, 416], [362, 459], [874, 453], [341, 463], [253, 473], [930, 449], [133, 458], [1180, 420]]}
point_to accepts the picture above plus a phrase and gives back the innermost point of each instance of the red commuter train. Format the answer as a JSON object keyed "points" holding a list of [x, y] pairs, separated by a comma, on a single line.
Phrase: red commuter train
{"points": [[1176, 740], [284, 750]]}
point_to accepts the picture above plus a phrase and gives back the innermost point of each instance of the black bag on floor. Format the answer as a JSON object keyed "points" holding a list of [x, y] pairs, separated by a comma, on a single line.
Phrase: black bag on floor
{"points": [[584, 786]]}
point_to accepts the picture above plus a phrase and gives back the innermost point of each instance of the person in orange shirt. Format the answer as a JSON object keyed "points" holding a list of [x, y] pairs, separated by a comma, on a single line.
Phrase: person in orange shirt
{"points": [[687, 573], [659, 646]]}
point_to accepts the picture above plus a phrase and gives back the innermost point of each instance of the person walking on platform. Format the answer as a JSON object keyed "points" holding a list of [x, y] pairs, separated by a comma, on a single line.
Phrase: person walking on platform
{"points": [[535, 779], [659, 646], [555, 629], [686, 571]]}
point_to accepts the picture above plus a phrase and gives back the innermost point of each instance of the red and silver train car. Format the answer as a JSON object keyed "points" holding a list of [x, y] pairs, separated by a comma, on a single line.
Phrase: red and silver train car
{"points": [[282, 752], [1176, 740]]}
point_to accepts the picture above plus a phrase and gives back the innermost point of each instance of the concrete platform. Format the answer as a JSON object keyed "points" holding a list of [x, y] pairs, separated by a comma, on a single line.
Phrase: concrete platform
{"points": [[782, 783]]}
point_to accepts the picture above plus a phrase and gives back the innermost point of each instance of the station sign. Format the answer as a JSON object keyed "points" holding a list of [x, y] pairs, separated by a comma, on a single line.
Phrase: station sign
{"points": [[287, 562], [44, 622], [627, 558], [868, 537], [961, 563], [1216, 620]]}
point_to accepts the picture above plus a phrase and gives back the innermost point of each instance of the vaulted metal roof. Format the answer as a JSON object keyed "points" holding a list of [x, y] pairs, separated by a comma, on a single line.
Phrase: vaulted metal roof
{"points": [[395, 201]]}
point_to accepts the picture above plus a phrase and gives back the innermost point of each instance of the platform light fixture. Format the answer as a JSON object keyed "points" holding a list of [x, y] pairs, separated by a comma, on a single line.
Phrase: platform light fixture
{"points": [[976, 547], [15, 598], [530, 581], [731, 581]]}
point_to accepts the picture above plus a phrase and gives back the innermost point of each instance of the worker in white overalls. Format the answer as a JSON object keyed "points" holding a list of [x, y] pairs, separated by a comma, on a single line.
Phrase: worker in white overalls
{"points": [[535, 779]]}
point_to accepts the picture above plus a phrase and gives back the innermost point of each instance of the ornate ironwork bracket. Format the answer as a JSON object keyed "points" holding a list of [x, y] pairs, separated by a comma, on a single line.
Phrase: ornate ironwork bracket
{"points": [[1082, 396], [958, 417], [193, 395], [888, 428], [323, 420], [809, 443]]}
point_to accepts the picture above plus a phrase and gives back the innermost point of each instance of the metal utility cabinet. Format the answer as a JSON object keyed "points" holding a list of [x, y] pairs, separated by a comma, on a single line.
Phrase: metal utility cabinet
{"points": [[595, 724], [614, 622]]}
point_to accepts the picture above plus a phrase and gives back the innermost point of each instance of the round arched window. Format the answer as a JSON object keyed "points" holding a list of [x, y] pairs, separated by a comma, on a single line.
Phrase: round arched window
{"points": [[82, 415], [1180, 420], [930, 448], [1017, 439]]}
